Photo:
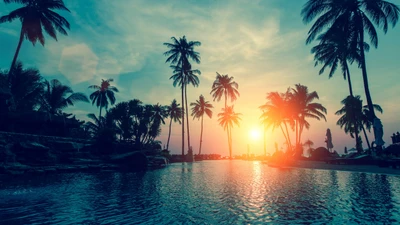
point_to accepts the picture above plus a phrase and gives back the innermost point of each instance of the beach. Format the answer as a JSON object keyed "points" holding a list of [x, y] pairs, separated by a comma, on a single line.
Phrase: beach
{"points": [[351, 168]]}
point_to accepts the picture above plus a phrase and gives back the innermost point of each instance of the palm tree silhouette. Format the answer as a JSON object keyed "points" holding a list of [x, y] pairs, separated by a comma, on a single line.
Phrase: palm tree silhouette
{"points": [[199, 108], [224, 86], [179, 53], [25, 86], [277, 112], [359, 16], [183, 78], [351, 115], [103, 94], [57, 96], [336, 51], [174, 113], [366, 123], [35, 16], [303, 107], [227, 118]]}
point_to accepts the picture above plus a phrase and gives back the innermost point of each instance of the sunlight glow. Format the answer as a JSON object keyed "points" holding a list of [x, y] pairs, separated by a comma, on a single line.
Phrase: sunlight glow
{"points": [[255, 134]]}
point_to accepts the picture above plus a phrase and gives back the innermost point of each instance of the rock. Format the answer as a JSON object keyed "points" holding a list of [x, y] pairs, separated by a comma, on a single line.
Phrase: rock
{"points": [[133, 161]]}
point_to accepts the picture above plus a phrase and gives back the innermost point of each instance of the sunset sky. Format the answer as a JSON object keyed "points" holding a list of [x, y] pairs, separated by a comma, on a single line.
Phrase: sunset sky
{"points": [[260, 43]]}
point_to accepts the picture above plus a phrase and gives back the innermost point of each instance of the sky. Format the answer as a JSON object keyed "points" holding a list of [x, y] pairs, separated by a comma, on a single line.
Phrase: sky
{"points": [[260, 43]]}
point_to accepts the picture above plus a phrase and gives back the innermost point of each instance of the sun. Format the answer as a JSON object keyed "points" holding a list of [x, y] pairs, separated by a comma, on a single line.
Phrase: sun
{"points": [[255, 134]]}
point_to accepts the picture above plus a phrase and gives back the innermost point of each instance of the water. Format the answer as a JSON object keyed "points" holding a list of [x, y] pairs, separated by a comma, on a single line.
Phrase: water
{"points": [[208, 192]]}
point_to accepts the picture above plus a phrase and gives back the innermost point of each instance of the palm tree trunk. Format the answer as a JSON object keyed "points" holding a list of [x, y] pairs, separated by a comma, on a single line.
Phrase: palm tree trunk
{"points": [[265, 144], [288, 138], [284, 134], [21, 39], [230, 142], [366, 138], [201, 134], [348, 78], [187, 119], [169, 132], [183, 125], [372, 115], [229, 145]]}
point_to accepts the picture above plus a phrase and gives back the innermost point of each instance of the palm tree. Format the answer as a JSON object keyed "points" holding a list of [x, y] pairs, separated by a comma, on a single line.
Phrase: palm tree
{"points": [[175, 113], [277, 112], [103, 94], [183, 78], [227, 118], [35, 16], [224, 86], [367, 123], [350, 120], [360, 16], [304, 107], [309, 143], [57, 96], [179, 53], [201, 107], [25, 86], [334, 50]]}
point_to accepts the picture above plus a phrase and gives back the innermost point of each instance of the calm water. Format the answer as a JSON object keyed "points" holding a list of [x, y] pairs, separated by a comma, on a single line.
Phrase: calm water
{"points": [[209, 192]]}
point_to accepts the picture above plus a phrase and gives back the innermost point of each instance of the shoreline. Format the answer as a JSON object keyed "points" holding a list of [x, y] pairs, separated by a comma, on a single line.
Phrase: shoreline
{"points": [[319, 165]]}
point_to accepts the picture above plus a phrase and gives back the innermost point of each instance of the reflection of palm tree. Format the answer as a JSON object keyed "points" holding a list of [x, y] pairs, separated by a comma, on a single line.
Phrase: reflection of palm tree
{"points": [[103, 94], [227, 118], [35, 16], [57, 96], [201, 107], [175, 113], [179, 53], [357, 15]]}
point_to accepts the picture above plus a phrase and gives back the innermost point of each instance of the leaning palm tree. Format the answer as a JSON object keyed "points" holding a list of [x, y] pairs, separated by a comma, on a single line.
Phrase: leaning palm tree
{"points": [[199, 108], [175, 114], [103, 94], [179, 53], [361, 17], [35, 16], [227, 118], [57, 96]]}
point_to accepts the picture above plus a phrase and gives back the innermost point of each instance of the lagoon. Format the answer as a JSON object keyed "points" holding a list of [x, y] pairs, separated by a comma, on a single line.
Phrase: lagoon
{"points": [[206, 192]]}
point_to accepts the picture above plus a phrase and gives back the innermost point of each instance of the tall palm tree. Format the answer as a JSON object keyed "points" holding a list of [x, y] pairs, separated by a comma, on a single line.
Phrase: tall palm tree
{"points": [[304, 107], [361, 17], [184, 78], [175, 114], [351, 115], [57, 96], [227, 118], [35, 16], [179, 53], [103, 94], [224, 86], [199, 108]]}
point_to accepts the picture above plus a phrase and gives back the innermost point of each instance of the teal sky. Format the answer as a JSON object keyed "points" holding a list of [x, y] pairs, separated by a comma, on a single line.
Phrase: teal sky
{"points": [[260, 43]]}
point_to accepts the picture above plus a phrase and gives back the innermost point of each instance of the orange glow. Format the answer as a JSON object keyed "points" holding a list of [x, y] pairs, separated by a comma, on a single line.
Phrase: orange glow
{"points": [[255, 134]]}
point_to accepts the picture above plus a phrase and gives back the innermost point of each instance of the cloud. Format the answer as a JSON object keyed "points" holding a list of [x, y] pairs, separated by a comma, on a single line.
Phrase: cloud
{"points": [[78, 63]]}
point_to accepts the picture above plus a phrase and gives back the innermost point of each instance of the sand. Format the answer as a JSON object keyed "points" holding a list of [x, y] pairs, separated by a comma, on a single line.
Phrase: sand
{"points": [[352, 168]]}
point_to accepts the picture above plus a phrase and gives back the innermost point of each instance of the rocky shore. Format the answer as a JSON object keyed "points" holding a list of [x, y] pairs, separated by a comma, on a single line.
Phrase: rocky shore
{"points": [[35, 154]]}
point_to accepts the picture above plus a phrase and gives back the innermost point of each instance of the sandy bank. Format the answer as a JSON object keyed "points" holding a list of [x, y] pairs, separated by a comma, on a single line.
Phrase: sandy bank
{"points": [[352, 168]]}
